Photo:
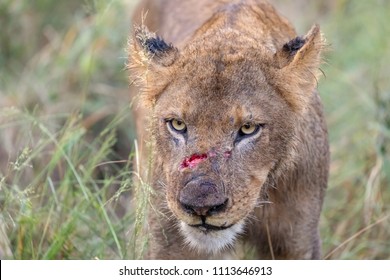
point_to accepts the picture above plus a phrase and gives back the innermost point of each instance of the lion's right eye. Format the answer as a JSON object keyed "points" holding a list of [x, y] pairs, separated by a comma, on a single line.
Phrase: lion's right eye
{"points": [[177, 125]]}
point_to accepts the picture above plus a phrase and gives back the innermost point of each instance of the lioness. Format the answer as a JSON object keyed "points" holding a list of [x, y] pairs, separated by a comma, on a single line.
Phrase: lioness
{"points": [[239, 142]]}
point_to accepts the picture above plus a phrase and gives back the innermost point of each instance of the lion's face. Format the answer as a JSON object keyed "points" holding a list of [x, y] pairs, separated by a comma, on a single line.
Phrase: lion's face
{"points": [[224, 116], [216, 142]]}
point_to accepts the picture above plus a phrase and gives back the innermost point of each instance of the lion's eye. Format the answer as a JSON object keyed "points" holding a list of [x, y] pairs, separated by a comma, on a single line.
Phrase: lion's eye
{"points": [[248, 129], [177, 125]]}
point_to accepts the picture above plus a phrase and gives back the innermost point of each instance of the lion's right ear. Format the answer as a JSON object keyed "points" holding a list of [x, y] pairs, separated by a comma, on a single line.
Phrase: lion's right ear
{"points": [[150, 58], [153, 48]]}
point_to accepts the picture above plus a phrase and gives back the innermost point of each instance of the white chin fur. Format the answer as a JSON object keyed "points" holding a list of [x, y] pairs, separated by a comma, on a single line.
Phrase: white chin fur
{"points": [[210, 242]]}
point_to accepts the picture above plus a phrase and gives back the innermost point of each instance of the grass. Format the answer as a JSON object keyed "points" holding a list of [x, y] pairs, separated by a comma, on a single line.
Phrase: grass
{"points": [[65, 129], [67, 143], [356, 93]]}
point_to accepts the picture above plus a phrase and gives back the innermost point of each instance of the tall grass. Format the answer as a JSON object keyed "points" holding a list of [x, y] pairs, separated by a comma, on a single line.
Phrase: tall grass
{"points": [[65, 130], [66, 137], [357, 96]]}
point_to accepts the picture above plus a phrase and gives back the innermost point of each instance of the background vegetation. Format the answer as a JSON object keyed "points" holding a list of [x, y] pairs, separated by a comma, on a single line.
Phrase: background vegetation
{"points": [[66, 142]]}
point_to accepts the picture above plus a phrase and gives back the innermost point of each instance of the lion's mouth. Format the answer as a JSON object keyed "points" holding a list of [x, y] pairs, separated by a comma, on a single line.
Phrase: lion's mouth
{"points": [[207, 227]]}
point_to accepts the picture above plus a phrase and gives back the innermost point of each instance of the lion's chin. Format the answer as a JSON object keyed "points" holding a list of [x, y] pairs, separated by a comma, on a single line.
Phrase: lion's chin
{"points": [[211, 241]]}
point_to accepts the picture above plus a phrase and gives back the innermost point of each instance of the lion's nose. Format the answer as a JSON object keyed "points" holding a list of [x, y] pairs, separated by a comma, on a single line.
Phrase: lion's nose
{"points": [[202, 199]]}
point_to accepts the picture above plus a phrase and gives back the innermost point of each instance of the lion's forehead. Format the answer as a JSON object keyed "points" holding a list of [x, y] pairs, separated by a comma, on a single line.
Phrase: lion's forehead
{"points": [[225, 106], [211, 113]]}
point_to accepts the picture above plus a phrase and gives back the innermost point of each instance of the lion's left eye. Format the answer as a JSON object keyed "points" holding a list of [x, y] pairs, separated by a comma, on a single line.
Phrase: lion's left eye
{"points": [[248, 129]]}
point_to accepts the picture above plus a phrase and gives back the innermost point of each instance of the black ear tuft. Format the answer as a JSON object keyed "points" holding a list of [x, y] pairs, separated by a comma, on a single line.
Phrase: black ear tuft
{"points": [[293, 46], [155, 47]]}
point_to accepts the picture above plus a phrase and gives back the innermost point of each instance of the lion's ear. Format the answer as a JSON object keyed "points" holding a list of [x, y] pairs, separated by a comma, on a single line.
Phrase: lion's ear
{"points": [[150, 58], [153, 48], [299, 67]]}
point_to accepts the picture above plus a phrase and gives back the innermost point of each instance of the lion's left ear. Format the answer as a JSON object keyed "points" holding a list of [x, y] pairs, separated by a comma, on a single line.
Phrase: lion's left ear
{"points": [[299, 67], [150, 58]]}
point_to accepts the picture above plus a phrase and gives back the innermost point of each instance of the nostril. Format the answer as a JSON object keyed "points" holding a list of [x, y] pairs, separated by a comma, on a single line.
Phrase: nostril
{"points": [[217, 208], [188, 209], [204, 210], [195, 210]]}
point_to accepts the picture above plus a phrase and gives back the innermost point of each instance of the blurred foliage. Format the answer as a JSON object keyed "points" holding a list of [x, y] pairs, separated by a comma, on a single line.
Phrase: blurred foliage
{"points": [[356, 93], [65, 130]]}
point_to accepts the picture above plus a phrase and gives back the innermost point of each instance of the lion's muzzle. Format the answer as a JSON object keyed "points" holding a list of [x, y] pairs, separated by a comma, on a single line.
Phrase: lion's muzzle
{"points": [[202, 198]]}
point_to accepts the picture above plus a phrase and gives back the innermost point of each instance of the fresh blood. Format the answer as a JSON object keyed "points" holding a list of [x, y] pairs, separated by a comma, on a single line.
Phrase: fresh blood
{"points": [[193, 160]]}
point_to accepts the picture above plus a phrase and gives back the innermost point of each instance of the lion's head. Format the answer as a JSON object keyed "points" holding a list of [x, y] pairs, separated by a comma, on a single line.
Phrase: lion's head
{"points": [[224, 111]]}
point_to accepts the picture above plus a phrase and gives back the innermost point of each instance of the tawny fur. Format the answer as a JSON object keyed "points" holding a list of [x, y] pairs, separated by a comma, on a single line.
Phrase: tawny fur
{"points": [[217, 66]]}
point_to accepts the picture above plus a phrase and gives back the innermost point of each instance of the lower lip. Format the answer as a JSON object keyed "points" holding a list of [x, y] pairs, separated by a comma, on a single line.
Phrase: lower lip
{"points": [[207, 227]]}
